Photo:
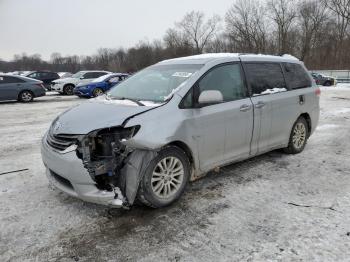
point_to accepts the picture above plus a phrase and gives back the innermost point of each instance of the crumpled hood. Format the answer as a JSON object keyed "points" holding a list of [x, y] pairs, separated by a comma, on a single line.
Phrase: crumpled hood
{"points": [[97, 114]]}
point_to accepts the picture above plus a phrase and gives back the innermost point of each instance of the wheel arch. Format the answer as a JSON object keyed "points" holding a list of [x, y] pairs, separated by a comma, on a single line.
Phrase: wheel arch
{"points": [[68, 84], [307, 117], [183, 146]]}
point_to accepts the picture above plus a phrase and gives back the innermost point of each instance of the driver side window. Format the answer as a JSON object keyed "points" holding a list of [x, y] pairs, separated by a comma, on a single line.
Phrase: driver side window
{"points": [[227, 79]]}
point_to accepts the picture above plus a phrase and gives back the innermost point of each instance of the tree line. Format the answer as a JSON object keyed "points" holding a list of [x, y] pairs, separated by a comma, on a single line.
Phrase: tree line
{"points": [[315, 31]]}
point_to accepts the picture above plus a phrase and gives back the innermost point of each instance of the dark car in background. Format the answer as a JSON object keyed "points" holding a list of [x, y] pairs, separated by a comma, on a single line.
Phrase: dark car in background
{"points": [[100, 85], [20, 88], [45, 76], [323, 80]]}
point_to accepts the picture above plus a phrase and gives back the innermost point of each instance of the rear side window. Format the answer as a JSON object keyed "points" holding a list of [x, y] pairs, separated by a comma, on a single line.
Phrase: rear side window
{"points": [[10, 80], [296, 76], [34, 75], [94, 75], [43, 75], [265, 78], [114, 79], [90, 75], [54, 75], [227, 79], [98, 74]]}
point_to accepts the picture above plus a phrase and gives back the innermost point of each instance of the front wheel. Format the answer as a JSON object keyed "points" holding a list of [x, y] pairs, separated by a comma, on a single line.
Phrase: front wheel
{"points": [[165, 178], [298, 137], [68, 90]]}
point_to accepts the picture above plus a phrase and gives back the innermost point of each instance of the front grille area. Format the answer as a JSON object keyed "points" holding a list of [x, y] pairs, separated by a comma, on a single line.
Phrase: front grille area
{"points": [[60, 142], [61, 180]]}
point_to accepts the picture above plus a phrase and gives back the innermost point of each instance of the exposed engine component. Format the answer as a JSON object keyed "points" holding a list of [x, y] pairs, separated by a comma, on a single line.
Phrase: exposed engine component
{"points": [[103, 155]]}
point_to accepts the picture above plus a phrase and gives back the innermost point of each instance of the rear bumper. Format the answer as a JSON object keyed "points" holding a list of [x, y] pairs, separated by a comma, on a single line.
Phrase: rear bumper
{"points": [[40, 93], [67, 173]]}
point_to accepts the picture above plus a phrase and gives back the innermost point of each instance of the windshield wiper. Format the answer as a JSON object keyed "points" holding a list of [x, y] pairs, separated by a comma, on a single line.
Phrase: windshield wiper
{"points": [[130, 99]]}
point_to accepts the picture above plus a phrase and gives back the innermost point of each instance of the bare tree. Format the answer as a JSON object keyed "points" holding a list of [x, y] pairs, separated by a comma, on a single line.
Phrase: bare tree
{"points": [[246, 26], [176, 44], [341, 7], [197, 30], [284, 15], [312, 16]]}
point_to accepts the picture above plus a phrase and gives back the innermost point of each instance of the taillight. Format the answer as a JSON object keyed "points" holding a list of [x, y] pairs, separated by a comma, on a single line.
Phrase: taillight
{"points": [[318, 91], [41, 85]]}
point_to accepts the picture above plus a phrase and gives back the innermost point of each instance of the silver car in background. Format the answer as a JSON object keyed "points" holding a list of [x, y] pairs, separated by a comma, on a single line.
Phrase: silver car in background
{"points": [[20, 88], [175, 121]]}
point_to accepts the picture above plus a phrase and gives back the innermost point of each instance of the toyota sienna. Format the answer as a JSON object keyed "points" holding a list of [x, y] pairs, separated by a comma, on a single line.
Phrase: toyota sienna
{"points": [[175, 121]]}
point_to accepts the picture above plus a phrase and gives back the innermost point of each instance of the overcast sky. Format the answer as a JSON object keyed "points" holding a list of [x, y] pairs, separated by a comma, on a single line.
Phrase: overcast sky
{"points": [[82, 26]]}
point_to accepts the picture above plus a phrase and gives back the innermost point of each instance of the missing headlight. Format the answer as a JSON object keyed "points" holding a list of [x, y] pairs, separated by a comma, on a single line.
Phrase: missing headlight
{"points": [[107, 139], [103, 154]]}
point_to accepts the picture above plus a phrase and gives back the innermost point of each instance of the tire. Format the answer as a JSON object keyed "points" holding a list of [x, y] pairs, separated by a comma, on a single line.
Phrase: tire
{"points": [[160, 188], [97, 92], [25, 96], [328, 83], [68, 90], [298, 137]]}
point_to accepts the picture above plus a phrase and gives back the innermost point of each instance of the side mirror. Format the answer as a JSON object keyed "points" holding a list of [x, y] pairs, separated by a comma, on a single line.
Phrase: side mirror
{"points": [[210, 97]]}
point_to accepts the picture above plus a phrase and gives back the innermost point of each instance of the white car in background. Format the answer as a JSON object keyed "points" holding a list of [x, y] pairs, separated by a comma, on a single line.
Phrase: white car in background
{"points": [[66, 85], [64, 74]]}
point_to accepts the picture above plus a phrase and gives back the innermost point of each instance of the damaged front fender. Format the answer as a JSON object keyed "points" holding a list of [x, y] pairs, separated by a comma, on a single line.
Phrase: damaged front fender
{"points": [[114, 166]]}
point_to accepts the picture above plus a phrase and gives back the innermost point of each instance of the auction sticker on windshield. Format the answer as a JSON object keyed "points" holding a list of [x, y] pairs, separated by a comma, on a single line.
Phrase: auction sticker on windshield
{"points": [[182, 74]]}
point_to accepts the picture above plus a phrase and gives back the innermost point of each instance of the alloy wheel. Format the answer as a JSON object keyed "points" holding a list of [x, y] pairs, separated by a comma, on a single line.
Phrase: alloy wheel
{"points": [[167, 177], [98, 92], [299, 135], [26, 96]]}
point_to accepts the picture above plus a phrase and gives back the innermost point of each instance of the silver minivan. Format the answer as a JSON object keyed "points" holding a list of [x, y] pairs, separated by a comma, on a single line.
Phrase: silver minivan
{"points": [[175, 121]]}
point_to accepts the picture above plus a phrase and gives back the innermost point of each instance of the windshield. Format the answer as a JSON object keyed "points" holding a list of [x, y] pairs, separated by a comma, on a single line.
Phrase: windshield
{"points": [[154, 83], [78, 75], [101, 78]]}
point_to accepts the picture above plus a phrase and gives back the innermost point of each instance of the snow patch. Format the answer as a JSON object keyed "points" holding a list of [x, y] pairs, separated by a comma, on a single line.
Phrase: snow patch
{"points": [[342, 111], [271, 91], [326, 127]]}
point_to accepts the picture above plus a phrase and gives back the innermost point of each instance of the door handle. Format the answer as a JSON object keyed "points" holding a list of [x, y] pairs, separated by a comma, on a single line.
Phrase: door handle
{"points": [[260, 104], [245, 108], [301, 99]]}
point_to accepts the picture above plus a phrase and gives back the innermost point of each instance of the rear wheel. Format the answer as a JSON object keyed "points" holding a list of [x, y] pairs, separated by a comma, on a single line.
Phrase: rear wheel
{"points": [[26, 96], [97, 92], [68, 90], [165, 178], [328, 83], [298, 137]]}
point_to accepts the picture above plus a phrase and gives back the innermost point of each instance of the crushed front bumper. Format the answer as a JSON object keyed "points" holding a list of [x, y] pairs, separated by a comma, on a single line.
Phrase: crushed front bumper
{"points": [[67, 173]]}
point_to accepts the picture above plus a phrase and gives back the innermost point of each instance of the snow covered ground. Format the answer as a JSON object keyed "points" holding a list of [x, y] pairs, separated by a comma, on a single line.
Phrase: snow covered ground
{"points": [[274, 207]]}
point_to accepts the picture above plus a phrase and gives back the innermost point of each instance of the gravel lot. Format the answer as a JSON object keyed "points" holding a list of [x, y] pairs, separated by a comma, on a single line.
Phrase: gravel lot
{"points": [[274, 207]]}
